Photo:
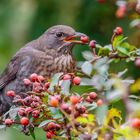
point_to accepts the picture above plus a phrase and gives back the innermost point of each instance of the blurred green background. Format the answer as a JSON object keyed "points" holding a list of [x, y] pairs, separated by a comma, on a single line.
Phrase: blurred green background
{"points": [[24, 20]]}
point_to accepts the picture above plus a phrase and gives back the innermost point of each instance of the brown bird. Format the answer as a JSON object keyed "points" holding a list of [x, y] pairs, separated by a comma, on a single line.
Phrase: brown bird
{"points": [[49, 54]]}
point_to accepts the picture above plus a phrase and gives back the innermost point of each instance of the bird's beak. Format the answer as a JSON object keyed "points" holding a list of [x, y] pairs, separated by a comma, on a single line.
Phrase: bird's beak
{"points": [[75, 38]]}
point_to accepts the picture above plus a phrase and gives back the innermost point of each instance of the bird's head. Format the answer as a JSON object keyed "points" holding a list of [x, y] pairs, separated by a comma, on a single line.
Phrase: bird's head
{"points": [[62, 38]]}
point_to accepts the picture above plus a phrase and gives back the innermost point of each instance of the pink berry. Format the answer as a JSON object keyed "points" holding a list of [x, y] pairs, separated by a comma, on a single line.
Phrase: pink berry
{"points": [[84, 39], [10, 93], [27, 81], [36, 84], [88, 99], [66, 77], [28, 110], [65, 106], [92, 95], [33, 77], [35, 113], [92, 44], [137, 62], [99, 102], [8, 122], [76, 80], [41, 78], [21, 112]]}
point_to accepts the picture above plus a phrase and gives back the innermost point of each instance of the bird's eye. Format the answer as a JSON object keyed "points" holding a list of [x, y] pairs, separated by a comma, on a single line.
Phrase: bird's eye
{"points": [[59, 34]]}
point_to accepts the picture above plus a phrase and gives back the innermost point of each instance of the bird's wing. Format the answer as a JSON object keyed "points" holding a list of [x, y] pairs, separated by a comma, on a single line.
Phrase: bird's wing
{"points": [[19, 65], [10, 71]]}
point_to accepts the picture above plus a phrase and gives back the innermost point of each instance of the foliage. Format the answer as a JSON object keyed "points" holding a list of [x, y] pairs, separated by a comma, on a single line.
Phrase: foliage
{"points": [[81, 105]]}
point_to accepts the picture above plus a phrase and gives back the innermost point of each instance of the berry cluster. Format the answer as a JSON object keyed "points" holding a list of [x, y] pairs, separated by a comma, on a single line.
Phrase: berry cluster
{"points": [[35, 106]]}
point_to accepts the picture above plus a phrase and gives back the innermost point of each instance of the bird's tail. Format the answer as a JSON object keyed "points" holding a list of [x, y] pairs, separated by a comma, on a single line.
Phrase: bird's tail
{"points": [[5, 103]]}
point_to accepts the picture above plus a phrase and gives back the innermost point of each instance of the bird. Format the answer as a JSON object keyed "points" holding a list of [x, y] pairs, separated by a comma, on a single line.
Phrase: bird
{"points": [[48, 54]]}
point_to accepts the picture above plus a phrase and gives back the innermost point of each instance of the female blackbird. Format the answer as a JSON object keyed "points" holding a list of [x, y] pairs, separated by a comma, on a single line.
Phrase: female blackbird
{"points": [[49, 54]]}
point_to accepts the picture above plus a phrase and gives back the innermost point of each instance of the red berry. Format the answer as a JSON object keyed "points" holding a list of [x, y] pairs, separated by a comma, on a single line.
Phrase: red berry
{"points": [[33, 77], [99, 102], [51, 126], [81, 109], [118, 30], [49, 134], [8, 122], [66, 77], [47, 85], [74, 99], [41, 78], [92, 95], [24, 121], [69, 110], [137, 62], [76, 80], [135, 122], [54, 102], [84, 39], [10, 93], [92, 44], [35, 113], [27, 81]]}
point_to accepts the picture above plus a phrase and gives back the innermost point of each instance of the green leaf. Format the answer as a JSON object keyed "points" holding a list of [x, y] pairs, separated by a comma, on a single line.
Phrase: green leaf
{"points": [[54, 81], [117, 40], [82, 120], [134, 97], [13, 113], [32, 133], [122, 51], [2, 127], [65, 86], [87, 68], [44, 123], [103, 51], [88, 55], [101, 113], [55, 113], [81, 89], [89, 119], [120, 74], [138, 51], [112, 114]]}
